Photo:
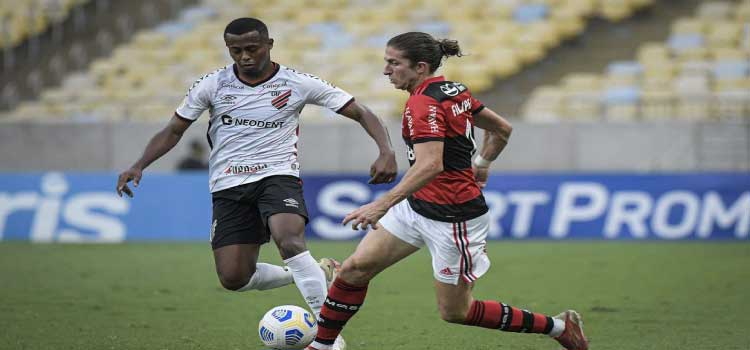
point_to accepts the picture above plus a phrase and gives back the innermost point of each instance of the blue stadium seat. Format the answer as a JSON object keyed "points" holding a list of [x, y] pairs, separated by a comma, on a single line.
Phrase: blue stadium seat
{"points": [[528, 13]]}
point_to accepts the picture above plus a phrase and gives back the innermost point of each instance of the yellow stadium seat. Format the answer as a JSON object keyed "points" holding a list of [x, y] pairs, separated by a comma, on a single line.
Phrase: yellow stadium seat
{"points": [[688, 25], [692, 54], [714, 10], [621, 112], [729, 54], [657, 104], [582, 81], [529, 50], [615, 10], [544, 105], [546, 33], [502, 62], [732, 84], [583, 104], [569, 21], [724, 34], [653, 52]]}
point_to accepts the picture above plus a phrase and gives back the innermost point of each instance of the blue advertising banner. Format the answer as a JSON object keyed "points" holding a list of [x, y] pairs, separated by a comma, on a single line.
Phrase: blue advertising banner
{"points": [[83, 207]]}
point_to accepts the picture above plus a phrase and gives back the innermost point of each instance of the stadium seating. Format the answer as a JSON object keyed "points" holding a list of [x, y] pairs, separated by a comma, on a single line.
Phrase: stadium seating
{"points": [[21, 19], [326, 38], [701, 72]]}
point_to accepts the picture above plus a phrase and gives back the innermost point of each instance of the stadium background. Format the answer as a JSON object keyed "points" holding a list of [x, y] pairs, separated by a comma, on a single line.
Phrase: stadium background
{"points": [[631, 122]]}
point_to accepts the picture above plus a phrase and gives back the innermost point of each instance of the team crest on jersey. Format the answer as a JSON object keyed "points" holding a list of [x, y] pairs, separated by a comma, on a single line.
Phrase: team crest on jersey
{"points": [[281, 98]]}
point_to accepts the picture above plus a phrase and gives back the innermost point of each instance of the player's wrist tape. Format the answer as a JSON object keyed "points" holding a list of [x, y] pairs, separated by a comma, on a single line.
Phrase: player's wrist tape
{"points": [[480, 162]]}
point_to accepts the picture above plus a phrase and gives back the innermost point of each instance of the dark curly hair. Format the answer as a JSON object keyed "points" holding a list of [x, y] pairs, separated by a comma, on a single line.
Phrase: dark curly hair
{"points": [[422, 47]]}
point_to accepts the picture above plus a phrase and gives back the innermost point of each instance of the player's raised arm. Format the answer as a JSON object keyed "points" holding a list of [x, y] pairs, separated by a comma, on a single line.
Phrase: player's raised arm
{"points": [[497, 131], [384, 169], [160, 144]]}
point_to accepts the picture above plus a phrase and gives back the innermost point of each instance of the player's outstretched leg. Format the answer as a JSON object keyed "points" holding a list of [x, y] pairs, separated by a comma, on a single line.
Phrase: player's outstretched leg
{"points": [[238, 270], [378, 250], [268, 276], [457, 305], [497, 315]]}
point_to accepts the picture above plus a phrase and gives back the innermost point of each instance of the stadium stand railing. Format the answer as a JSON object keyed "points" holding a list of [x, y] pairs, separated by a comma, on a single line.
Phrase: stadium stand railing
{"points": [[702, 72]]}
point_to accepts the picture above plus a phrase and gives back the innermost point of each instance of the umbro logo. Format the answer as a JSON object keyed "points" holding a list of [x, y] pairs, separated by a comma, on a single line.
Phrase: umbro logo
{"points": [[227, 99], [291, 202]]}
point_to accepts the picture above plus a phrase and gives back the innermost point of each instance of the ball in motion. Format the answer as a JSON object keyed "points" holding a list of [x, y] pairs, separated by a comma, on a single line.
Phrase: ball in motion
{"points": [[287, 327]]}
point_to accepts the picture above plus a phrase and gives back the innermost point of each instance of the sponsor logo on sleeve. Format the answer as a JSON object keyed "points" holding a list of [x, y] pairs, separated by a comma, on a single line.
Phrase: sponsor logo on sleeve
{"points": [[432, 119]]}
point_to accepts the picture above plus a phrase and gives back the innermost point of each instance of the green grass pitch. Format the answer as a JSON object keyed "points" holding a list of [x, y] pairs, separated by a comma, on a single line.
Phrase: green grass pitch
{"points": [[165, 296]]}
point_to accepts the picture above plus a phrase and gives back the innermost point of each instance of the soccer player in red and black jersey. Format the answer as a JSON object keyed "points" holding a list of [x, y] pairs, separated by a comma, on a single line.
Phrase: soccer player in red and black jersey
{"points": [[438, 203]]}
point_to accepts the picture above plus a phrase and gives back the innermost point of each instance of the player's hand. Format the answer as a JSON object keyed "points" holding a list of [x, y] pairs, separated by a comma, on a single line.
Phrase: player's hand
{"points": [[366, 215], [384, 169], [126, 176], [480, 175]]}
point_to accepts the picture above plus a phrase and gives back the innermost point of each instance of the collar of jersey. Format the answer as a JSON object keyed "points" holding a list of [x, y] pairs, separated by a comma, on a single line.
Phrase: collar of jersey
{"points": [[426, 82], [237, 75]]}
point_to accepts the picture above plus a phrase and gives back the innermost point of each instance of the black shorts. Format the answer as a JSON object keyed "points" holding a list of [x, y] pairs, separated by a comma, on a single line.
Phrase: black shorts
{"points": [[240, 213]]}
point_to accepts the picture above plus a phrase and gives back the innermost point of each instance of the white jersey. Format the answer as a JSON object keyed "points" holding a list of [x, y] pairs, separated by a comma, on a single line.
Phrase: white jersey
{"points": [[253, 128]]}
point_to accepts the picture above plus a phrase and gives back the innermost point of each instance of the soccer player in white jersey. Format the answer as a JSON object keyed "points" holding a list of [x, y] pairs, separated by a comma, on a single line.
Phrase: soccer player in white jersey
{"points": [[254, 107]]}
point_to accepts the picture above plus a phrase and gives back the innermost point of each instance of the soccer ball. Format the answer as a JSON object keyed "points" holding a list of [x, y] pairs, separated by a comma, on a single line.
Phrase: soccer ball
{"points": [[287, 327]]}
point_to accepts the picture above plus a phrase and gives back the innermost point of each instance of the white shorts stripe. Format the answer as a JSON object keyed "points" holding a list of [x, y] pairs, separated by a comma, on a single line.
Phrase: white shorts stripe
{"points": [[468, 252]]}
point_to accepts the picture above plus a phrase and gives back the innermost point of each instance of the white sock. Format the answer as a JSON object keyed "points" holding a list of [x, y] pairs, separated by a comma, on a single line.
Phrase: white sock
{"points": [[558, 327], [268, 276], [310, 280]]}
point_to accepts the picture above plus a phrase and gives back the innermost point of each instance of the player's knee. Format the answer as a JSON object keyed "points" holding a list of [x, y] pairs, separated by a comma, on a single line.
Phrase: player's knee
{"points": [[234, 281], [291, 247], [358, 271]]}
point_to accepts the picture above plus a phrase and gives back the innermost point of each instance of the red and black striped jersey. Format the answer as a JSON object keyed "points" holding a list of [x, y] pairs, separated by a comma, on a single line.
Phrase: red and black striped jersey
{"points": [[440, 110]]}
